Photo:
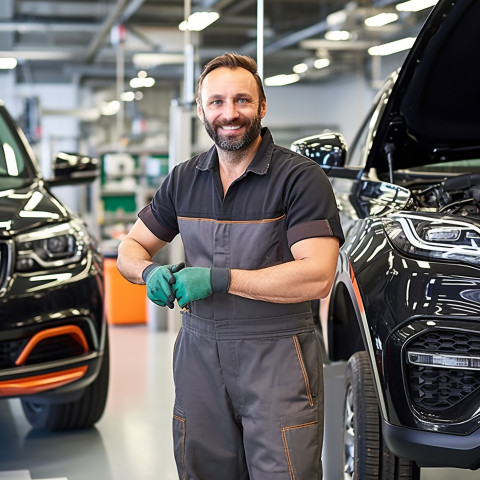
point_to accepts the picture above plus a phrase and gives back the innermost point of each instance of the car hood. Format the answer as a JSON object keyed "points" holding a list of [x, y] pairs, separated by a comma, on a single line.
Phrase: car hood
{"points": [[432, 114], [27, 208]]}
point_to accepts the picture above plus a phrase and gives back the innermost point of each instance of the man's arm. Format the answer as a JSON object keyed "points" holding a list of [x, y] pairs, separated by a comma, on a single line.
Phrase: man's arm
{"points": [[309, 276], [135, 252]]}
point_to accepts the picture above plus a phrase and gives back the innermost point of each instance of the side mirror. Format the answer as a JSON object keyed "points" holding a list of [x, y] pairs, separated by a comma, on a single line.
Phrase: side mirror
{"points": [[327, 149], [71, 168]]}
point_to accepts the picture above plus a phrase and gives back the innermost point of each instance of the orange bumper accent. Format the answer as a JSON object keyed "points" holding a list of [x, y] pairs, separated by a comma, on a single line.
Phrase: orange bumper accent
{"points": [[40, 383], [72, 330], [358, 296]]}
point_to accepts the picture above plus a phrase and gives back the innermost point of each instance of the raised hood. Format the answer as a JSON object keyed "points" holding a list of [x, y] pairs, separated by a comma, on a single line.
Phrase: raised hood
{"points": [[433, 111], [28, 208]]}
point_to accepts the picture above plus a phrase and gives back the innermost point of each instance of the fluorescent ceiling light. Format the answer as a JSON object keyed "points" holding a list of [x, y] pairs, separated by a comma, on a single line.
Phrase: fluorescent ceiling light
{"points": [[381, 19], [392, 47], [149, 60], [198, 21], [144, 82], [337, 35], [280, 80], [127, 96], [415, 5], [8, 63], [110, 108], [300, 68], [321, 63]]}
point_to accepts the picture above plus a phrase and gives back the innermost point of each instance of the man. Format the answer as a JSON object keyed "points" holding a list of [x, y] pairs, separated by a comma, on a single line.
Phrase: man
{"points": [[261, 235]]}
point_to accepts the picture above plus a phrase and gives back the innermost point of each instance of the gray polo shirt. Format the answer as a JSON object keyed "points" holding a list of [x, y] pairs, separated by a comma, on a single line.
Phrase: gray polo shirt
{"points": [[281, 198]]}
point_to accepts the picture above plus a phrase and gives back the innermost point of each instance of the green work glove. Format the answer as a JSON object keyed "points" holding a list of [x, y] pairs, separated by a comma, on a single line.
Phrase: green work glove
{"points": [[159, 280], [196, 283]]}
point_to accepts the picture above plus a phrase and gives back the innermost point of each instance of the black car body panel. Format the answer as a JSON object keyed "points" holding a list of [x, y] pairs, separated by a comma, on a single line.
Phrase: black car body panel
{"points": [[53, 331], [407, 287]]}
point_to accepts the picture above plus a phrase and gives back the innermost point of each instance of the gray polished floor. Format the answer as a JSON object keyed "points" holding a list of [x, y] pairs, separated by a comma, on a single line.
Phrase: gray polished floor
{"points": [[133, 440]]}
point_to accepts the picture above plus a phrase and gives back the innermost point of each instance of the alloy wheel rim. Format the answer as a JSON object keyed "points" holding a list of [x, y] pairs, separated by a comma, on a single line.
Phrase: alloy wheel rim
{"points": [[349, 436]]}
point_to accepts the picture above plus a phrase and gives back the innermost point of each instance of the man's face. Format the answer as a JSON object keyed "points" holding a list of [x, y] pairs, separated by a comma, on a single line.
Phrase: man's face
{"points": [[230, 108]]}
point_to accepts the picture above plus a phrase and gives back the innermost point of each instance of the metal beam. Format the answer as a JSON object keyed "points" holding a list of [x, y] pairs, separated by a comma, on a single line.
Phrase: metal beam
{"points": [[104, 31]]}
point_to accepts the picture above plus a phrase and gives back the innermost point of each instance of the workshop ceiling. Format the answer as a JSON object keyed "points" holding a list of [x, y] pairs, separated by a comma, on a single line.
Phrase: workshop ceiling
{"points": [[58, 41]]}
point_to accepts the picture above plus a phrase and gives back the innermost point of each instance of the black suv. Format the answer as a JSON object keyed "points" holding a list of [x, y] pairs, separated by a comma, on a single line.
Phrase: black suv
{"points": [[53, 335], [404, 309]]}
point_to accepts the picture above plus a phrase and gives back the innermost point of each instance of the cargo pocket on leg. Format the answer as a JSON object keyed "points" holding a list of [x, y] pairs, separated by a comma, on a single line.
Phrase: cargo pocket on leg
{"points": [[302, 443], [179, 425]]}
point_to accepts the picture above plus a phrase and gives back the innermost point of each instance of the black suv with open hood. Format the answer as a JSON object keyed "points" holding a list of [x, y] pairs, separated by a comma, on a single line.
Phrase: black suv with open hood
{"points": [[404, 309], [53, 335]]}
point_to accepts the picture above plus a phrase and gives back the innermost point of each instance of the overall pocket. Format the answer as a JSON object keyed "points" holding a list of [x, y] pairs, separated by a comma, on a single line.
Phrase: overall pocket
{"points": [[310, 363], [302, 438], [179, 430]]}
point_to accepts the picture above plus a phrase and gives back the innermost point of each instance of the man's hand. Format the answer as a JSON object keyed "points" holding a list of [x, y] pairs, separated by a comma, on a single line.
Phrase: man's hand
{"points": [[197, 283], [159, 280]]}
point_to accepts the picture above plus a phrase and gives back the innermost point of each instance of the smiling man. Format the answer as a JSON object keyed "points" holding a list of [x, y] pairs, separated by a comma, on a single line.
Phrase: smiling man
{"points": [[261, 234]]}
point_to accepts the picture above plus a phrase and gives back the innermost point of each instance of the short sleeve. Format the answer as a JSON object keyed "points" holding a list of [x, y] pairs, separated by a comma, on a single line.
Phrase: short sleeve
{"points": [[160, 216], [311, 205]]}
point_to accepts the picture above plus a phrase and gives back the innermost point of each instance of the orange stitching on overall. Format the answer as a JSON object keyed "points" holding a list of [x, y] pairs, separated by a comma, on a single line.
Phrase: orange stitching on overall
{"points": [[287, 454], [304, 370], [285, 444], [180, 419], [232, 222]]}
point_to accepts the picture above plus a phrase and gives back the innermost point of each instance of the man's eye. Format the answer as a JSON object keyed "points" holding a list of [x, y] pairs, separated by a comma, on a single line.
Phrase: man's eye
{"points": [[243, 100], [216, 102]]}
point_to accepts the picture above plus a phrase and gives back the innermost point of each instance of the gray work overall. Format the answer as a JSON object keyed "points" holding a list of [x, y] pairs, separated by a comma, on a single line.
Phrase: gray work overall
{"points": [[249, 400], [248, 373]]}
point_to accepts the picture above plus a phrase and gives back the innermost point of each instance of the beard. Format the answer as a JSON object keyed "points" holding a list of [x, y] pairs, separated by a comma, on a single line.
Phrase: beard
{"points": [[230, 144]]}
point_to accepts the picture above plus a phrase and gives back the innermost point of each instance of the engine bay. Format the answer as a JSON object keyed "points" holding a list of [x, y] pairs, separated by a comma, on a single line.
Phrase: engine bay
{"points": [[458, 195]]}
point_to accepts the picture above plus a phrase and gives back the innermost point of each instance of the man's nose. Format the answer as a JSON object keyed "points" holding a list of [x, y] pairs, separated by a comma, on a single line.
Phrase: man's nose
{"points": [[230, 110]]}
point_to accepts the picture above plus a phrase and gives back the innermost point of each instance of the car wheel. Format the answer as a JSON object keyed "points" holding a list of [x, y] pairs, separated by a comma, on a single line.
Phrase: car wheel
{"points": [[82, 413], [366, 456]]}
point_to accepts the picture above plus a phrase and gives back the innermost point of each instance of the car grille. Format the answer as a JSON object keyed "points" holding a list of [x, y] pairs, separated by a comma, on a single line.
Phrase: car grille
{"points": [[9, 352], [433, 389]]}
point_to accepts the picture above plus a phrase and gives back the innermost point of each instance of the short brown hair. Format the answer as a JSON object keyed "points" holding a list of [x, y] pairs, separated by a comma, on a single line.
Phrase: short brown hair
{"points": [[232, 60]]}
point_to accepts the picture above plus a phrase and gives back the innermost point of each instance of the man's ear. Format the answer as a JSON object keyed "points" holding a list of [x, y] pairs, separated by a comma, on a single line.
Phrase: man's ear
{"points": [[263, 109], [200, 111]]}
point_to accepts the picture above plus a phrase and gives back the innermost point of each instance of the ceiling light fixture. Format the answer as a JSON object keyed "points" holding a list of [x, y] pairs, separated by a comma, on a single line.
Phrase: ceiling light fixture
{"points": [[127, 96], [300, 68], [320, 63], [337, 35], [110, 108], [381, 19], [415, 5], [198, 21], [150, 60], [392, 47], [281, 80], [145, 82], [8, 63]]}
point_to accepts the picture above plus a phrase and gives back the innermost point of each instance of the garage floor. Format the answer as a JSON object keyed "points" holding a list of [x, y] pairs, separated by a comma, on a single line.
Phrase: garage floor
{"points": [[133, 439]]}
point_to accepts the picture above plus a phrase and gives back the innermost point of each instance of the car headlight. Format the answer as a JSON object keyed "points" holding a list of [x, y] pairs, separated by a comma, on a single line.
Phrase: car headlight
{"points": [[49, 247], [434, 238]]}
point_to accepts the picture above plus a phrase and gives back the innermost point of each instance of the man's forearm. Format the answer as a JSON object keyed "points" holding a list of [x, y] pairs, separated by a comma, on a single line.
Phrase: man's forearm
{"points": [[132, 260], [291, 282]]}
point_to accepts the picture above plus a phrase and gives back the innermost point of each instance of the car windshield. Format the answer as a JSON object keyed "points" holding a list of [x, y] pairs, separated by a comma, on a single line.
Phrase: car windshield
{"points": [[14, 170], [457, 166]]}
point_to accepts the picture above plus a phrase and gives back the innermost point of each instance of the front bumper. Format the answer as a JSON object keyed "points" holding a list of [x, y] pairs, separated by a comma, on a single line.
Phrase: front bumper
{"points": [[52, 339], [430, 449]]}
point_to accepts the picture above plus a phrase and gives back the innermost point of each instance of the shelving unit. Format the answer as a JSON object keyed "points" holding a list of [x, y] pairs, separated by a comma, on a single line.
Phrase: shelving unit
{"points": [[128, 182]]}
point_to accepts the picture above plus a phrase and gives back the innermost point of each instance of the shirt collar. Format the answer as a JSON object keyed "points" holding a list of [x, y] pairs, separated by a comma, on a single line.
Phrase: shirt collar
{"points": [[259, 164]]}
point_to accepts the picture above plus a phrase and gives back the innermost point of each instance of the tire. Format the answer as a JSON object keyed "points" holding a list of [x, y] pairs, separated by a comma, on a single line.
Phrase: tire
{"points": [[366, 456], [82, 413]]}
